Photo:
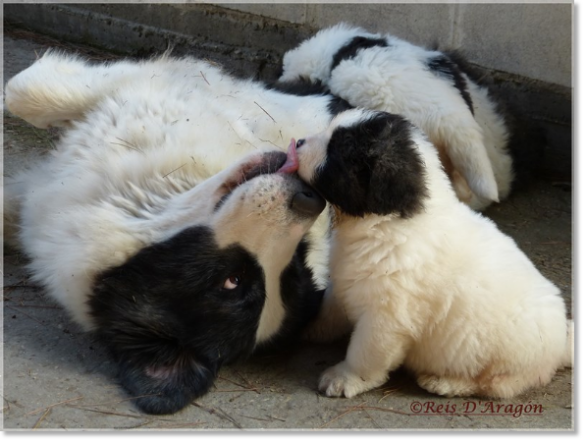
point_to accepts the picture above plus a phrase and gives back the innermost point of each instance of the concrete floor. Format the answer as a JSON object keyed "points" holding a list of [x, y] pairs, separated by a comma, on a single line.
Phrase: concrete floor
{"points": [[56, 377]]}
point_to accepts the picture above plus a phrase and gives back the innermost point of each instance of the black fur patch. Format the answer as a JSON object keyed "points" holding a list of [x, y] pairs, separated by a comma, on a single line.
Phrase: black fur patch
{"points": [[303, 87], [337, 105], [351, 49], [444, 66], [170, 323], [373, 167]]}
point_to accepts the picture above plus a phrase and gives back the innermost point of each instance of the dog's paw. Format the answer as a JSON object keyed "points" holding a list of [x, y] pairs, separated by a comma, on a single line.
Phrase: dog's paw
{"points": [[340, 380]]}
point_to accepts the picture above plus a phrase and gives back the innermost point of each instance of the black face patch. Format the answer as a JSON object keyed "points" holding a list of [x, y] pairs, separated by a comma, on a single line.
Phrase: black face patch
{"points": [[169, 320], [373, 167], [443, 66], [351, 49]]}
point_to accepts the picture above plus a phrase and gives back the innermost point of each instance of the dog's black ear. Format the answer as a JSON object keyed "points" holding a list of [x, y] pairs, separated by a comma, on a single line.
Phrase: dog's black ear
{"points": [[397, 181], [167, 321], [160, 373], [166, 389]]}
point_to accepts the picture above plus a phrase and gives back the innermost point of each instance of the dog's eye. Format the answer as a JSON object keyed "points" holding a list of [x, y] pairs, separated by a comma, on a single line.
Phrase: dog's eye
{"points": [[300, 142], [232, 282]]}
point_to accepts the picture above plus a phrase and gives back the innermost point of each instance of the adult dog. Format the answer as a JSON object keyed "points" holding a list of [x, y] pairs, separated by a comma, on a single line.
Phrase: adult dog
{"points": [[161, 222], [423, 280], [430, 88]]}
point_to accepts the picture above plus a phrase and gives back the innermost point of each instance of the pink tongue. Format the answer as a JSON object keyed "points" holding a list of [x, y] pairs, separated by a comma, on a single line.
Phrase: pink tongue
{"points": [[292, 160]]}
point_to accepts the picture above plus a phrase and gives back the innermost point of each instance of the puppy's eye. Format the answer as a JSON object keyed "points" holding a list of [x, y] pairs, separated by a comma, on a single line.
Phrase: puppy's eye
{"points": [[232, 282], [300, 142]]}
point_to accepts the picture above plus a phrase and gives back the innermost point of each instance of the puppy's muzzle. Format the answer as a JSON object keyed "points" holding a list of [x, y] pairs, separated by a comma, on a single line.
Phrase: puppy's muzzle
{"points": [[306, 201]]}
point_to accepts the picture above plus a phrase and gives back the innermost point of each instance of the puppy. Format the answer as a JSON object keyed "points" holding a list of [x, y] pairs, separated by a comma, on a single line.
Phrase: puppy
{"points": [[429, 88], [160, 221], [423, 280]]}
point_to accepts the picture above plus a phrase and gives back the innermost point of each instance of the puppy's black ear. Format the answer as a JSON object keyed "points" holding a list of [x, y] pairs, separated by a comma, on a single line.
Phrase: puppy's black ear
{"points": [[397, 182]]}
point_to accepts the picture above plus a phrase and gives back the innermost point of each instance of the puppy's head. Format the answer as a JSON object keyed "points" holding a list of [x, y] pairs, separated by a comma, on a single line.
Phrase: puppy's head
{"points": [[366, 162], [312, 59], [208, 291]]}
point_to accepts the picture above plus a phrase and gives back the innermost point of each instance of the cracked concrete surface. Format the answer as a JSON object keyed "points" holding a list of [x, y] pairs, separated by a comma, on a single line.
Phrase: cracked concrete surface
{"points": [[56, 377]]}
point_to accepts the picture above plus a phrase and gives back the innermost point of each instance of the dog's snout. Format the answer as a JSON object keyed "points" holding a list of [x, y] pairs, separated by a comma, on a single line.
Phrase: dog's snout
{"points": [[300, 143], [307, 202]]}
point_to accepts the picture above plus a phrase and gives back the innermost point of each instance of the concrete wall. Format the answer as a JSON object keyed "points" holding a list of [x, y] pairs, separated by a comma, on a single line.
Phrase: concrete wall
{"points": [[529, 39]]}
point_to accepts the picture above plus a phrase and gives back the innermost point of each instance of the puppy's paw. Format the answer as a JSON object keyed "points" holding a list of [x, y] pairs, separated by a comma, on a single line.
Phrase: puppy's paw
{"points": [[340, 380], [448, 387]]}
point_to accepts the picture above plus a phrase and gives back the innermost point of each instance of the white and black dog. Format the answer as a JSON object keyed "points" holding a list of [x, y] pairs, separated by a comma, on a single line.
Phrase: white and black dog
{"points": [[161, 221], [430, 88], [421, 279]]}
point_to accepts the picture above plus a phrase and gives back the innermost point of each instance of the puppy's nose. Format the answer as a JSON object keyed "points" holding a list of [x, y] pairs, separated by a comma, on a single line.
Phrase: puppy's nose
{"points": [[300, 142], [307, 202]]}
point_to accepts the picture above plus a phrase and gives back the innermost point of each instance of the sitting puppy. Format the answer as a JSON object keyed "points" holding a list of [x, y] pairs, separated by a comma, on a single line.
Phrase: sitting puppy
{"points": [[429, 88], [160, 222], [423, 280]]}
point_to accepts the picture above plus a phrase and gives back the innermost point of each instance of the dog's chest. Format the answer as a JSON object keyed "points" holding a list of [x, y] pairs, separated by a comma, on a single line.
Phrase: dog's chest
{"points": [[362, 253]]}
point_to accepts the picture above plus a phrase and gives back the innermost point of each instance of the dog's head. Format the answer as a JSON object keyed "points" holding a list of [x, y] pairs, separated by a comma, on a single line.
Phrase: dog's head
{"points": [[209, 290], [366, 162]]}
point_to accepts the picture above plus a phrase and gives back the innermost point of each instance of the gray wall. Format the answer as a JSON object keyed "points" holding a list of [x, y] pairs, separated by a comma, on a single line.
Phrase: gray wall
{"points": [[529, 39]]}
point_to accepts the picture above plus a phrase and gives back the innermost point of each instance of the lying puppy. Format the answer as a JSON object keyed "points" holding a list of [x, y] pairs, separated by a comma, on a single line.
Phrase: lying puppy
{"points": [[429, 88], [423, 280], [160, 223]]}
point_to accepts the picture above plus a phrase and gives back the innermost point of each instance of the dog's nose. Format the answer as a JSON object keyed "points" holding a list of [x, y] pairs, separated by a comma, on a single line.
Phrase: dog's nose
{"points": [[300, 142], [307, 202]]}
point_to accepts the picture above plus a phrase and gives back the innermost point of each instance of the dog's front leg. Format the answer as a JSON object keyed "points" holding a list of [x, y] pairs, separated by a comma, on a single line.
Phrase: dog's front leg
{"points": [[374, 351]]}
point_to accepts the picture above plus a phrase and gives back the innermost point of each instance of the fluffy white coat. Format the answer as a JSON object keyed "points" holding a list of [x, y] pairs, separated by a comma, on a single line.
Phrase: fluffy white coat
{"points": [[444, 293], [128, 172]]}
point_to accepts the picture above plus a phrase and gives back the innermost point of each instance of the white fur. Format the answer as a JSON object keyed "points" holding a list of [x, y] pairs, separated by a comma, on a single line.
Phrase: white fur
{"points": [[395, 79], [148, 148], [444, 293]]}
